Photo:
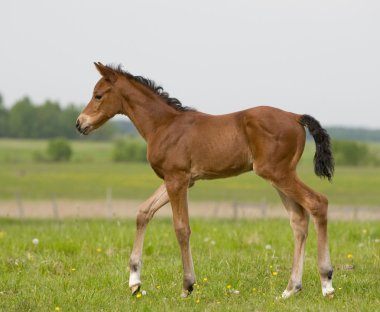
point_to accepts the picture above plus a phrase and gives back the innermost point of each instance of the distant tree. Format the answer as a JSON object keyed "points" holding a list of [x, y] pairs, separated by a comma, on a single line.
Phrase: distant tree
{"points": [[132, 150], [107, 131], [4, 132], [22, 119], [354, 134], [59, 149], [48, 120], [352, 153], [67, 119]]}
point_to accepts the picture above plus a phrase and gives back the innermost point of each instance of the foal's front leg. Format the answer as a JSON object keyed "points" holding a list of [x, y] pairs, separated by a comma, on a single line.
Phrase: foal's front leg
{"points": [[177, 189], [145, 214]]}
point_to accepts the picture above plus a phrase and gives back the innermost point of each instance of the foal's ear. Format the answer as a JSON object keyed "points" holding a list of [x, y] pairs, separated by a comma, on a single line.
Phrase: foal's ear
{"points": [[107, 72]]}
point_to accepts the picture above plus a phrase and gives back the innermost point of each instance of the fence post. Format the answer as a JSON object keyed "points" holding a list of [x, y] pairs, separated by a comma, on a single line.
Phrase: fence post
{"points": [[216, 209], [235, 210], [109, 203], [54, 207], [355, 213], [263, 206], [20, 206]]}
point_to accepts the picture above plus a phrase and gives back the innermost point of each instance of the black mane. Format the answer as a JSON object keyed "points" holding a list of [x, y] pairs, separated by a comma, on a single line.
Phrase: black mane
{"points": [[173, 102]]}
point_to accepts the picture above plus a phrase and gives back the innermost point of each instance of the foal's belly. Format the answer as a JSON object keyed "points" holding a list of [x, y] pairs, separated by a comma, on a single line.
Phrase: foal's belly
{"points": [[229, 156]]}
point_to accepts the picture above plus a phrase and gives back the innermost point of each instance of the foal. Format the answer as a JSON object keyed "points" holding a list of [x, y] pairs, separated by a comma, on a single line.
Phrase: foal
{"points": [[185, 145]]}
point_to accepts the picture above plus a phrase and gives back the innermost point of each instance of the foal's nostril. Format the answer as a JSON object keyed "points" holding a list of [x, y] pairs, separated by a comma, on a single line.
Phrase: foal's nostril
{"points": [[77, 124]]}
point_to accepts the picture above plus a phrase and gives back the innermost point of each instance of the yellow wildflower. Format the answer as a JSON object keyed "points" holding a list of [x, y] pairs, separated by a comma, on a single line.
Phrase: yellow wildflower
{"points": [[57, 308], [205, 279], [99, 249], [198, 300], [274, 273], [228, 286], [138, 295], [349, 256]]}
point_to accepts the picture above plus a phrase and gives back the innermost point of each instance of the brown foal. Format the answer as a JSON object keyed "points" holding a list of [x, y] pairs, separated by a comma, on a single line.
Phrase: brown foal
{"points": [[185, 145]]}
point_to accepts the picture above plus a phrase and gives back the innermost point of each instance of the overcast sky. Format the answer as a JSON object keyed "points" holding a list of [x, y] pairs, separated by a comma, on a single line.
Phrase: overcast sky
{"points": [[317, 57]]}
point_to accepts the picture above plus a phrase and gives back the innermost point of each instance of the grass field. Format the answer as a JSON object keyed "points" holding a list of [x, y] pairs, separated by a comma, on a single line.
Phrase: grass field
{"points": [[91, 172], [81, 265]]}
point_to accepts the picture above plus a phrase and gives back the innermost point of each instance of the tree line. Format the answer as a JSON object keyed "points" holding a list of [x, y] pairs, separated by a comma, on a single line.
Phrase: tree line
{"points": [[26, 119], [354, 134]]}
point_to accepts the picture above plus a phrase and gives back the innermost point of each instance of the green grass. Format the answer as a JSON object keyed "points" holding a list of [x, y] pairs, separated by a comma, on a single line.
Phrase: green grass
{"points": [[22, 151], [81, 265], [91, 172]]}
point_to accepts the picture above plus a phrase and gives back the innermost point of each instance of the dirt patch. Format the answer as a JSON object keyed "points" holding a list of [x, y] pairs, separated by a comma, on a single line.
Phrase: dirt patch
{"points": [[128, 209]]}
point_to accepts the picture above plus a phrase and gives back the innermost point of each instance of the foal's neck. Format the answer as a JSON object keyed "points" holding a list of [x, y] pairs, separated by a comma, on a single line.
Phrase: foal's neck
{"points": [[147, 110]]}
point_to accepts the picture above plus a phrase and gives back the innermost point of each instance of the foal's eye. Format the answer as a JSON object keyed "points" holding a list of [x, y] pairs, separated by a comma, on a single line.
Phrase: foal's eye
{"points": [[98, 97]]}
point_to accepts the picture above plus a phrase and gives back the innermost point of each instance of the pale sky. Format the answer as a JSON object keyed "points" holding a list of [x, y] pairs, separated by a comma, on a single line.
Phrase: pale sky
{"points": [[317, 57]]}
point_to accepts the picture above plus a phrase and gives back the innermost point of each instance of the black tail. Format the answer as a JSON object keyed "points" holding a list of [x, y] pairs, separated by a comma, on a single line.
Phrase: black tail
{"points": [[323, 158]]}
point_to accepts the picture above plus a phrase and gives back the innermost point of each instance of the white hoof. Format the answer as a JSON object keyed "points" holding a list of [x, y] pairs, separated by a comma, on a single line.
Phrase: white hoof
{"points": [[327, 289], [185, 294], [134, 289], [328, 292], [134, 279], [286, 294]]}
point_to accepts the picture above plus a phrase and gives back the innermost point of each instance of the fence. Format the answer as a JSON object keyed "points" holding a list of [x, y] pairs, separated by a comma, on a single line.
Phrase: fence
{"points": [[109, 208]]}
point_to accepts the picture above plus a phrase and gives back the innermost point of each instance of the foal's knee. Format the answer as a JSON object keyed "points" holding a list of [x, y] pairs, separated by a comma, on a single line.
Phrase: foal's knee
{"points": [[300, 233], [300, 227], [183, 233], [142, 219], [319, 208]]}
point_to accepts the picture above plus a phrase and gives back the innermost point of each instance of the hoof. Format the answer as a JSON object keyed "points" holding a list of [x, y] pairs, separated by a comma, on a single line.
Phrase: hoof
{"points": [[328, 289], [288, 293], [135, 289], [186, 292], [188, 287], [328, 292]]}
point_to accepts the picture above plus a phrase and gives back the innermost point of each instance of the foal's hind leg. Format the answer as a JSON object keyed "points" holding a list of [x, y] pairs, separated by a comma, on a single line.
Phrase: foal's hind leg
{"points": [[299, 221], [316, 204], [145, 214]]}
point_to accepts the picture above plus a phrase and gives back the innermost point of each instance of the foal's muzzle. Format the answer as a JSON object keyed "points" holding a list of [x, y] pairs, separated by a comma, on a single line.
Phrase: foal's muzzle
{"points": [[83, 126]]}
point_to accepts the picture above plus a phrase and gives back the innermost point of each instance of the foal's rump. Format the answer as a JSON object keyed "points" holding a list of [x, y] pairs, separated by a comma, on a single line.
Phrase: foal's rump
{"points": [[277, 140], [230, 144], [275, 137]]}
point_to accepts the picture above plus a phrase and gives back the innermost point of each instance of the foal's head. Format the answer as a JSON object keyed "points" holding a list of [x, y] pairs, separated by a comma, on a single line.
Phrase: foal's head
{"points": [[105, 103]]}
